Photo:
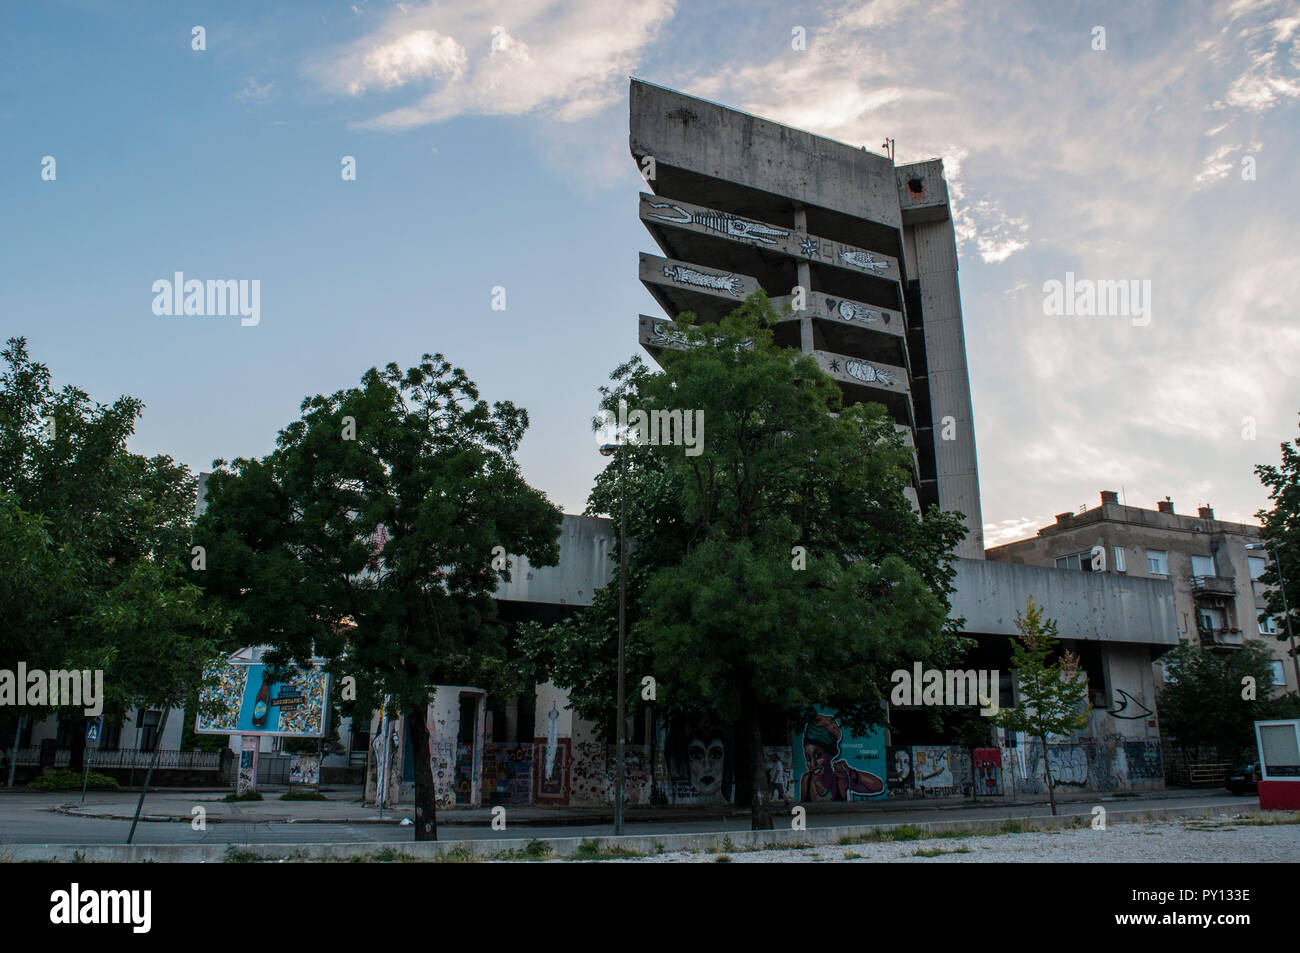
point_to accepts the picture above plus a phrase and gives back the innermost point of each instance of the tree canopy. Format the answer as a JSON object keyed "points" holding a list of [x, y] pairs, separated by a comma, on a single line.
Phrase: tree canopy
{"points": [[374, 535], [780, 570]]}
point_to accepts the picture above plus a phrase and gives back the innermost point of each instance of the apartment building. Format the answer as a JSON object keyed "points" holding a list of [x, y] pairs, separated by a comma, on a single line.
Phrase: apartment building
{"points": [[1218, 598]]}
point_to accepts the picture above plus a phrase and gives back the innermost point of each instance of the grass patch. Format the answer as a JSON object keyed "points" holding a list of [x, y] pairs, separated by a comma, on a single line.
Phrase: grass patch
{"points": [[722, 859], [65, 780], [236, 855], [851, 855], [391, 855], [591, 850], [937, 851], [303, 796], [246, 796], [534, 850]]}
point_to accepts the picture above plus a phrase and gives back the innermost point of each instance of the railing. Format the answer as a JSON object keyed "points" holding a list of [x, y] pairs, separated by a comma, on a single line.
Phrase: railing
{"points": [[1214, 585], [168, 760]]}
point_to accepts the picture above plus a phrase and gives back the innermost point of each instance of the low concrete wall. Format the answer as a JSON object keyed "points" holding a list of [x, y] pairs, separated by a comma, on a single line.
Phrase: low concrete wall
{"points": [[561, 846]]}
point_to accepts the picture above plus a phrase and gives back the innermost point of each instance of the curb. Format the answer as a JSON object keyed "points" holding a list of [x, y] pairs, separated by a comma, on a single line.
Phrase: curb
{"points": [[492, 849]]}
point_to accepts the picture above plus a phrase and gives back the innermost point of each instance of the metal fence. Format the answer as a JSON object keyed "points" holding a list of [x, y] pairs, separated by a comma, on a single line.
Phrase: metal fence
{"points": [[172, 760]]}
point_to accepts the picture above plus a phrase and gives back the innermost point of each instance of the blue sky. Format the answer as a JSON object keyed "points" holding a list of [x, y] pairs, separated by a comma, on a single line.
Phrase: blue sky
{"points": [[491, 150]]}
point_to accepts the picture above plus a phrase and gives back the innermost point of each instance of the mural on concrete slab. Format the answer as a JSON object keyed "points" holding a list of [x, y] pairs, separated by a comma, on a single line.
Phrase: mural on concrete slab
{"points": [[722, 223], [831, 765], [691, 276], [868, 373], [862, 259], [854, 312], [809, 246]]}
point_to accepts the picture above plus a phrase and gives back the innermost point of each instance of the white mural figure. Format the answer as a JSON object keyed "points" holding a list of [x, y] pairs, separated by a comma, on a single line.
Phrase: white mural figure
{"points": [[552, 740], [868, 373]]}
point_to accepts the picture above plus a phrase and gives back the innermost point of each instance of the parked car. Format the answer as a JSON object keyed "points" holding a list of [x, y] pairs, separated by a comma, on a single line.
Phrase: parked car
{"points": [[1243, 777]]}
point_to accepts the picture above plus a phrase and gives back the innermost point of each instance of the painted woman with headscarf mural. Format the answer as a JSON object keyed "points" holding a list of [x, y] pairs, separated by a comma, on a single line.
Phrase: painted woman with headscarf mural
{"points": [[828, 777]]}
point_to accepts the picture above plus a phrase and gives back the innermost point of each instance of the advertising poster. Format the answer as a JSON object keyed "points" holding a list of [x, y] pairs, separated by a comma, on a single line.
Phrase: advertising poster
{"points": [[304, 769], [249, 703]]}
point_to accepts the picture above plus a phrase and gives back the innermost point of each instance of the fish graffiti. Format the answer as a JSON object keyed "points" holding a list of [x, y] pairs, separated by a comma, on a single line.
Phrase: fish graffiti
{"points": [[850, 311], [863, 259], [868, 373], [689, 276], [724, 224]]}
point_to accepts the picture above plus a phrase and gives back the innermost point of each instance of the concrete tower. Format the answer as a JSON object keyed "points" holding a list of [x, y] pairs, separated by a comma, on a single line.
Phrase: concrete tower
{"points": [[741, 203]]}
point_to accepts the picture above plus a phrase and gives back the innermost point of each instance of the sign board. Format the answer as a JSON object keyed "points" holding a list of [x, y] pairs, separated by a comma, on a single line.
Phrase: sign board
{"points": [[92, 731], [247, 702], [1278, 743]]}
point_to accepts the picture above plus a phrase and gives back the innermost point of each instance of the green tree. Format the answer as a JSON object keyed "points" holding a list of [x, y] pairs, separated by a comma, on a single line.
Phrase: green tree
{"points": [[1213, 701], [778, 570], [1051, 695], [1281, 534], [375, 534], [106, 533]]}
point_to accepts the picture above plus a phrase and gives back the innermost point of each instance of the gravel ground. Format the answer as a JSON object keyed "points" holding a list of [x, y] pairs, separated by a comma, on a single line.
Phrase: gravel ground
{"points": [[1203, 840]]}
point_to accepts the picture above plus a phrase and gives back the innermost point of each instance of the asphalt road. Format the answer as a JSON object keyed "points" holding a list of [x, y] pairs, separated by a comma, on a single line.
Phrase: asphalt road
{"points": [[30, 819]]}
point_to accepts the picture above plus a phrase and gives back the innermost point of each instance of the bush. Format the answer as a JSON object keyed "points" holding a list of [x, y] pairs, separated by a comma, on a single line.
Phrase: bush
{"points": [[65, 780], [246, 796]]}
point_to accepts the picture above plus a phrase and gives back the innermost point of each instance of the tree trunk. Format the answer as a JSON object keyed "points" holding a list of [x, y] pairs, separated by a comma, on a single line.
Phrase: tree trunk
{"points": [[426, 801], [760, 799], [77, 748], [1047, 770]]}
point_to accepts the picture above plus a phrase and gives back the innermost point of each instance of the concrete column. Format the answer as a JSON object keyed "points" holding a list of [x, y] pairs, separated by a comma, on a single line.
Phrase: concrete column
{"points": [[805, 281]]}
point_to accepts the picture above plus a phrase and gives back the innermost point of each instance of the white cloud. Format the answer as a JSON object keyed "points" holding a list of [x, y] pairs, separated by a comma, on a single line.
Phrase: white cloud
{"points": [[564, 60]]}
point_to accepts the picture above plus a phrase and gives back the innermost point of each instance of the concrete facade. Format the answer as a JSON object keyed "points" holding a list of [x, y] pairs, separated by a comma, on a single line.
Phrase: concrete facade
{"points": [[1213, 577], [742, 203]]}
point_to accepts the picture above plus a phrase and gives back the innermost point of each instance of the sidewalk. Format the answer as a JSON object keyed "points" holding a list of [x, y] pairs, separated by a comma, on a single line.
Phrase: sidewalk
{"points": [[344, 807]]}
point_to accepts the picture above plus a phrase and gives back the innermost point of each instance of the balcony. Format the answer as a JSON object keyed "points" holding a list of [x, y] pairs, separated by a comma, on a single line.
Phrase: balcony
{"points": [[1222, 638], [1213, 585]]}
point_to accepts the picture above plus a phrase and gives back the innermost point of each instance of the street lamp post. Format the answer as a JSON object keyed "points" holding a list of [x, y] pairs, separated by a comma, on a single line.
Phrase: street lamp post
{"points": [[1286, 612], [620, 722]]}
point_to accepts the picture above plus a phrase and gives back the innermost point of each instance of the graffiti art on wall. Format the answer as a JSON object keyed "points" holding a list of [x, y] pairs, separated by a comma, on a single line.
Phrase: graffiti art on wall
{"points": [[691, 276], [1145, 760], [1069, 764], [809, 246], [862, 259], [899, 776], [987, 768], [933, 769], [508, 772], [834, 767], [1129, 707], [723, 223], [555, 789], [868, 373], [854, 312]]}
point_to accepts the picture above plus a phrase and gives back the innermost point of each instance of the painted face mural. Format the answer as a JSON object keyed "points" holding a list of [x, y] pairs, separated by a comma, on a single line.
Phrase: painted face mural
{"points": [[705, 754], [828, 777], [903, 763]]}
